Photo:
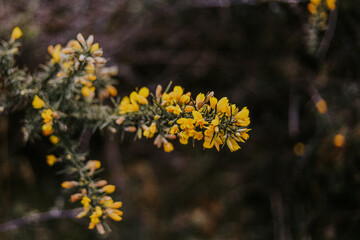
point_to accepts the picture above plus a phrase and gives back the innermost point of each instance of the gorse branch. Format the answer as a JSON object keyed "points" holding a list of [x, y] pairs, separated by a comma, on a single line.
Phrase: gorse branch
{"points": [[68, 96]]}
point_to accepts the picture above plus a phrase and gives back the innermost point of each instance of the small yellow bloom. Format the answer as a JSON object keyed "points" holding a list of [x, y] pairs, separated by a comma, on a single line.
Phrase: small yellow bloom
{"points": [[112, 90], [109, 188], [174, 129], [339, 140], [331, 4], [208, 142], [98, 211], [114, 216], [85, 201], [50, 159], [315, 2], [186, 123], [312, 8], [150, 131], [168, 147], [47, 115], [47, 129], [242, 117], [93, 165], [184, 99], [189, 108], [232, 144], [54, 139], [69, 184], [94, 48], [16, 33], [213, 102], [87, 91], [38, 102], [55, 52], [144, 91], [321, 106], [198, 118], [223, 105], [117, 205], [174, 109], [200, 98]]}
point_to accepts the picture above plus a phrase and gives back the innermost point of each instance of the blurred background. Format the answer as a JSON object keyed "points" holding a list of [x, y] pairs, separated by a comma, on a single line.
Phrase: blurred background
{"points": [[297, 177]]}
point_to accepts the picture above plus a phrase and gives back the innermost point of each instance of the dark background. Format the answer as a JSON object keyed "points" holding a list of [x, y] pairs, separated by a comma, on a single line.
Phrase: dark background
{"points": [[258, 54]]}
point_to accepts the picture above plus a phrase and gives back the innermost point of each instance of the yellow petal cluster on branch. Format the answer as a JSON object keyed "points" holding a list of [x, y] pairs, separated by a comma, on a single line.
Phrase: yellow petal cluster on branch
{"points": [[175, 114]]}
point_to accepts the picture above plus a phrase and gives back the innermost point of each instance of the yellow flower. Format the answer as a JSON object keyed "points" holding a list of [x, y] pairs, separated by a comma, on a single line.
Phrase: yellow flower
{"points": [[69, 184], [47, 129], [98, 211], [232, 144], [47, 115], [208, 142], [339, 140], [174, 129], [90, 68], [112, 90], [331, 4], [184, 137], [93, 165], [186, 123], [189, 108], [315, 2], [218, 141], [94, 219], [198, 135], [55, 52], [85, 201], [117, 205], [50, 159], [144, 91], [174, 109], [321, 106], [149, 131], [94, 48], [109, 188], [106, 201], [198, 118], [38, 102], [168, 147], [312, 8], [184, 99], [215, 121], [200, 98], [16, 33], [213, 102], [54, 139], [242, 117], [223, 105], [87, 91], [126, 106], [114, 216]]}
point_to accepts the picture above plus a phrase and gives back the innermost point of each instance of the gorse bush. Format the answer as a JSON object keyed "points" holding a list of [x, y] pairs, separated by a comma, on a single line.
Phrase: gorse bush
{"points": [[69, 97]]}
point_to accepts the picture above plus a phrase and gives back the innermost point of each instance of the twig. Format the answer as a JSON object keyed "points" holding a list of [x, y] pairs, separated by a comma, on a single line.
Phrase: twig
{"points": [[38, 217], [329, 34]]}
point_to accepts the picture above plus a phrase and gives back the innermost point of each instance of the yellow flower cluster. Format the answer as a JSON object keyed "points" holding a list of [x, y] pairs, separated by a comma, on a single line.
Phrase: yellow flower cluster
{"points": [[136, 98], [47, 115], [315, 5], [176, 115], [82, 59], [318, 10], [97, 205]]}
